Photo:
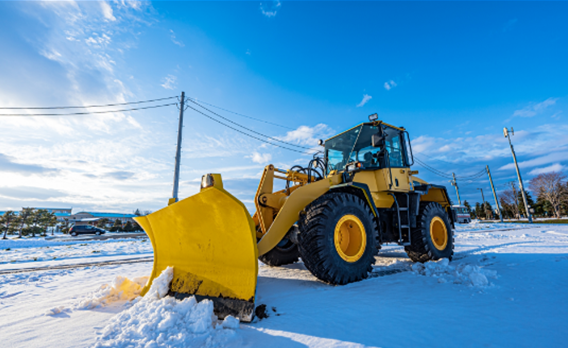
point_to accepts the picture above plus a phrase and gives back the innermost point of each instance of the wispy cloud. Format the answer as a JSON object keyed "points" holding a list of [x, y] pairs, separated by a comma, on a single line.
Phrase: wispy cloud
{"points": [[169, 82], [539, 161], [364, 101], [270, 9], [7, 164], [175, 40], [390, 85], [533, 110], [556, 167]]}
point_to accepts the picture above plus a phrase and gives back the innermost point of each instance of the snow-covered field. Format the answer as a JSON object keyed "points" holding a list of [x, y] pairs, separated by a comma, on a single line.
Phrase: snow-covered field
{"points": [[506, 287]]}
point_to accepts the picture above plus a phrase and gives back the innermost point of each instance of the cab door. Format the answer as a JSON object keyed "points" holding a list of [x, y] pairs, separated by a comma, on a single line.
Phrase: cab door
{"points": [[396, 175]]}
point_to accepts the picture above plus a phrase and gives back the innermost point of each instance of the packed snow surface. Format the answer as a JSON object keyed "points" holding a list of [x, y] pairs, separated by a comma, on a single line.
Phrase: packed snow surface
{"points": [[505, 287], [30, 250]]}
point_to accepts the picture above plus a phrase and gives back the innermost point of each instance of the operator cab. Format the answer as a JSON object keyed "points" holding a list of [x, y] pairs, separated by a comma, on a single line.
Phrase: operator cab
{"points": [[369, 146]]}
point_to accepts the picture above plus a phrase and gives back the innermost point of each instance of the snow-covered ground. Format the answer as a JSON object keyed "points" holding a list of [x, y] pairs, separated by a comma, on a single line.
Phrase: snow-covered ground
{"points": [[506, 287]]}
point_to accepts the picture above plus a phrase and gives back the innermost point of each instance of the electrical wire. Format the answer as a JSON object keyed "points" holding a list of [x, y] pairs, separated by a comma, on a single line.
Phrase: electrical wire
{"points": [[244, 133], [250, 130], [242, 115], [446, 175], [90, 112], [82, 107]]}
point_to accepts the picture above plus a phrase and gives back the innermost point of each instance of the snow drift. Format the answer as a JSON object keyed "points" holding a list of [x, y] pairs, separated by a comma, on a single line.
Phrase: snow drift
{"points": [[159, 321], [461, 274]]}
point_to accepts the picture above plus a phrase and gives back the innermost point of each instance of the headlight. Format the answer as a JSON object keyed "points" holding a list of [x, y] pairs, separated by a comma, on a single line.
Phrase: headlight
{"points": [[207, 181]]}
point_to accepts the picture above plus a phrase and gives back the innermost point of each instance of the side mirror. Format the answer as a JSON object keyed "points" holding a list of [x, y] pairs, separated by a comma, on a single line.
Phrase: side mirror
{"points": [[377, 140]]}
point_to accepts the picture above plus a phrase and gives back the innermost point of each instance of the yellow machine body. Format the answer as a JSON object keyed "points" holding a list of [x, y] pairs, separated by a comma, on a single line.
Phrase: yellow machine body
{"points": [[213, 243], [210, 241]]}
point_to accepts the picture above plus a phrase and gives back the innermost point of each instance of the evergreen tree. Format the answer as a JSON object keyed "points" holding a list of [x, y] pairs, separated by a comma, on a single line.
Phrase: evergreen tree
{"points": [[128, 226], [8, 222], [479, 213], [117, 226], [530, 202], [136, 227], [467, 206], [25, 218]]}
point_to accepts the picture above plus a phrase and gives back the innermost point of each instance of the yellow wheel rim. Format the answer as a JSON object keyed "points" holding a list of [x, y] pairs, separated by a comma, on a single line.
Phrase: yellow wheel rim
{"points": [[438, 233], [350, 238]]}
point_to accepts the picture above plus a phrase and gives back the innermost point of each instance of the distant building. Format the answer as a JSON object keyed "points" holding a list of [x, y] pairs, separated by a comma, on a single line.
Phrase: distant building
{"points": [[87, 217]]}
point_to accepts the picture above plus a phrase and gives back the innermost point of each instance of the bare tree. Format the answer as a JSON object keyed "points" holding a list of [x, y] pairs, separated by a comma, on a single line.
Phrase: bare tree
{"points": [[550, 187]]}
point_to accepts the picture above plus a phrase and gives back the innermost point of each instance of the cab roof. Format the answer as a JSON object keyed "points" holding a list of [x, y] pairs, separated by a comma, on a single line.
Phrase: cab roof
{"points": [[375, 123]]}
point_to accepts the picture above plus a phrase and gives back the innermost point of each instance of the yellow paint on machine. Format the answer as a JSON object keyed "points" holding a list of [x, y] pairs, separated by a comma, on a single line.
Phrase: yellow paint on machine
{"points": [[210, 240]]}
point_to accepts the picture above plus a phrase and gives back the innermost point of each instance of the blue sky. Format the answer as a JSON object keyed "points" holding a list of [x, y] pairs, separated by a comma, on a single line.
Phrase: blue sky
{"points": [[453, 73]]}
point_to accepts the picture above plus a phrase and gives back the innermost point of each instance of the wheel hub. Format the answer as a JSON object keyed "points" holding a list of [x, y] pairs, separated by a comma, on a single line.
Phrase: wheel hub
{"points": [[350, 238], [438, 233]]}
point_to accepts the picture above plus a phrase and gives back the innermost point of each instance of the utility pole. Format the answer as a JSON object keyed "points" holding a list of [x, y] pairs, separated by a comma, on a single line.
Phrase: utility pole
{"points": [[494, 193], [455, 184], [483, 206], [527, 208], [178, 151]]}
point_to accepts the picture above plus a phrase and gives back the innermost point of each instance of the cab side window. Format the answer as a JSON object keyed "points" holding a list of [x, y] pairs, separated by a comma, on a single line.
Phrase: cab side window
{"points": [[394, 148]]}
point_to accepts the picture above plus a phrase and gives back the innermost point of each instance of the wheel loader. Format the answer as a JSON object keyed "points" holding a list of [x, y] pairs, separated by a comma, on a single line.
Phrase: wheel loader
{"points": [[334, 214]]}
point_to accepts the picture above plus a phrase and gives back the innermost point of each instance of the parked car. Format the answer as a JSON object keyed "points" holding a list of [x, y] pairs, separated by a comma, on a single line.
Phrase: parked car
{"points": [[86, 229]]}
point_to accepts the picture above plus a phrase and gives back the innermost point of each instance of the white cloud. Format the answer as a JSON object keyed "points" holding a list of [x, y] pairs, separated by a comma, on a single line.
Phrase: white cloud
{"points": [[533, 110], [539, 161], [556, 167], [364, 101], [260, 158], [248, 53], [308, 136], [174, 40], [389, 85], [270, 9], [169, 82], [107, 11]]}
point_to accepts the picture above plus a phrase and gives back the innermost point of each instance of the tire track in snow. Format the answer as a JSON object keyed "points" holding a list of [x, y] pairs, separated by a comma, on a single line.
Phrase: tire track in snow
{"points": [[77, 265]]}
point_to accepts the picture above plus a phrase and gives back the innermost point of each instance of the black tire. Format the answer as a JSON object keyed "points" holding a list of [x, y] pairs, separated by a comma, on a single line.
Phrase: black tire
{"points": [[74, 234], [424, 247], [98, 233], [317, 247], [284, 253]]}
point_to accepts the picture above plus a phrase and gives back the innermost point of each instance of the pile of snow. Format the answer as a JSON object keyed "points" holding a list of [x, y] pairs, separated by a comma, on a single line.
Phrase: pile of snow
{"points": [[56, 310], [121, 289], [460, 274], [159, 321]]}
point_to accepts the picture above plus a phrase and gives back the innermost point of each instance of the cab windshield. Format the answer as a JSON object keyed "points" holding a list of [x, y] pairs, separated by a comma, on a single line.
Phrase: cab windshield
{"points": [[355, 145]]}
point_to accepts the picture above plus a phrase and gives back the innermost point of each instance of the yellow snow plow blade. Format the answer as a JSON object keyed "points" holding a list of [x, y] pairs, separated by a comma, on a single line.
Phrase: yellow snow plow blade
{"points": [[210, 241]]}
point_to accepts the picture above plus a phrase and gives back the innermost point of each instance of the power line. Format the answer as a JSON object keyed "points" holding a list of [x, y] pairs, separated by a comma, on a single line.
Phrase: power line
{"points": [[242, 115], [248, 129], [90, 112], [446, 175], [244, 133], [82, 107]]}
